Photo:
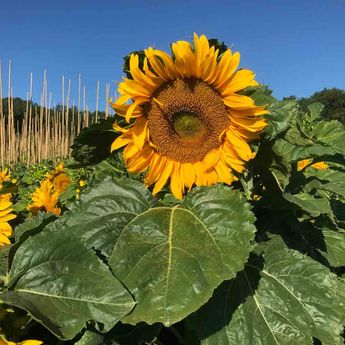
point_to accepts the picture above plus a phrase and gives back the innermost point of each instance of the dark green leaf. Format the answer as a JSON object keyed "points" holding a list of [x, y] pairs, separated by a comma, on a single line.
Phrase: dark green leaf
{"points": [[309, 203], [171, 259], [286, 299], [93, 143], [63, 285]]}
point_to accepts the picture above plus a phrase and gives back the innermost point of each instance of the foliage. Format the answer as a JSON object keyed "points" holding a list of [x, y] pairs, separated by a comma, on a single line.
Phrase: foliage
{"points": [[333, 100]]}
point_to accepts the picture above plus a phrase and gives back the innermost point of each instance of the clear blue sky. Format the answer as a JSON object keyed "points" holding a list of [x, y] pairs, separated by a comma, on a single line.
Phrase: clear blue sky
{"points": [[296, 47]]}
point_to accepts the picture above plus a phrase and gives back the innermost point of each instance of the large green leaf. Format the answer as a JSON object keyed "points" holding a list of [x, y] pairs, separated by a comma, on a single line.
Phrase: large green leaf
{"points": [[63, 285], [284, 299], [171, 259], [103, 211]]}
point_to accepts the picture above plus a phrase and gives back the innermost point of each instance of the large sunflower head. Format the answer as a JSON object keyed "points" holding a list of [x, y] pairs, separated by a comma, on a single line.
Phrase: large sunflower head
{"points": [[190, 123]]}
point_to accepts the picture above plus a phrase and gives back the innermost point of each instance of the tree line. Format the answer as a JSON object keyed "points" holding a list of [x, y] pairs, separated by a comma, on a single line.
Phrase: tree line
{"points": [[333, 99]]}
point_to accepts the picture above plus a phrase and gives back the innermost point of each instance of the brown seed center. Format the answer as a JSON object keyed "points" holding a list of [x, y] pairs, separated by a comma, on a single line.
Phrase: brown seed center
{"points": [[185, 119]]}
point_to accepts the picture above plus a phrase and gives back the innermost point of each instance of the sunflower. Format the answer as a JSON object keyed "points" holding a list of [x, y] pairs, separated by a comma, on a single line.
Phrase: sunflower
{"points": [[44, 198], [305, 162], [4, 177], [25, 342], [59, 178], [191, 123], [5, 216]]}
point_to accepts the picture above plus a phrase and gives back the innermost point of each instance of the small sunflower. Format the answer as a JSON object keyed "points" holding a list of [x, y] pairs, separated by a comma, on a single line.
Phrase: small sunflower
{"points": [[59, 178], [191, 124], [5, 216], [4, 177], [44, 198], [319, 165], [3, 341]]}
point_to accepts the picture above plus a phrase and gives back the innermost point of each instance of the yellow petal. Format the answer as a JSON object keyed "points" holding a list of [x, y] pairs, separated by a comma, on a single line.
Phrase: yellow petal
{"points": [[156, 164], [175, 181], [123, 109], [187, 174], [129, 151], [239, 81], [240, 146], [140, 131], [302, 164], [243, 133], [226, 68], [231, 158], [4, 240], [118, 128], [211, 178], [211, 159], [201, 51], [224, 172], [138, 75], [8, 217], [252, 112], [120, 141], [166, 172], [184, 58], [121, 100], [320, 165], [250, 124], [238, 101], [141, 161]]}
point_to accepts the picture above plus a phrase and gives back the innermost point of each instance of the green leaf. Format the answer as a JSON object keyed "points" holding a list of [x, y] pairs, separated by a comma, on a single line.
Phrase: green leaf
{"points": [[294, 153], [314, 111], [330, 134], [286, 298], [90, 338], [331, 180], [279, 117], [335, 247], [93, 143], [330, 242], [63, 285], [103, 211], [32, 226], [171, 259], [139, 334], [4, 254], [309, 203]]}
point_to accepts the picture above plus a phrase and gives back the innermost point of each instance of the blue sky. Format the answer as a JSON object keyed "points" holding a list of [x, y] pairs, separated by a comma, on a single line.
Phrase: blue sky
{"points": [[296, 47]]}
